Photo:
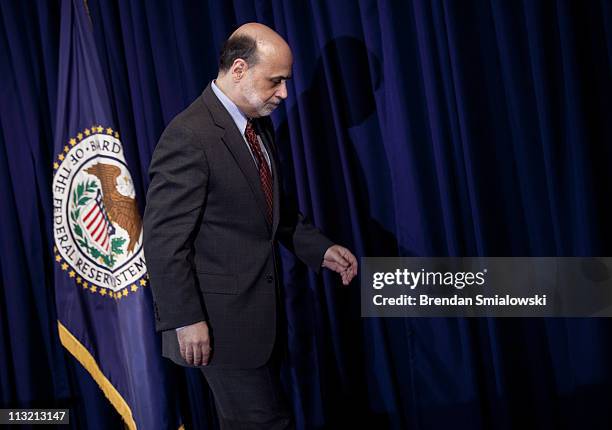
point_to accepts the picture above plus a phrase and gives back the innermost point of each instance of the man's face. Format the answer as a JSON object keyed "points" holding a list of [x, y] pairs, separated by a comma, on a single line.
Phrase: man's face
{"points": [[263, 86]]}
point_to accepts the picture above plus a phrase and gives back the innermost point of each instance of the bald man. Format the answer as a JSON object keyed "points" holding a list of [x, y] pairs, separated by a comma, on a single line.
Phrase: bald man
{"points": [[213, 219]]}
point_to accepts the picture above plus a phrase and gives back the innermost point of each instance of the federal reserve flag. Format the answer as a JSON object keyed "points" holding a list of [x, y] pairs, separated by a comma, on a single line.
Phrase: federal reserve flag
{"points": [[104, 305]]}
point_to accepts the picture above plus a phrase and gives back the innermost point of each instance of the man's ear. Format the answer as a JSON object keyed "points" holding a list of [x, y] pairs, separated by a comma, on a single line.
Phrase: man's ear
{"points": [[238, 69]]}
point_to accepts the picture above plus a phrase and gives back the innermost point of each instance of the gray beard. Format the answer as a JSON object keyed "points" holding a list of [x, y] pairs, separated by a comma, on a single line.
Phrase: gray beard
{"points": [[262, 109]]}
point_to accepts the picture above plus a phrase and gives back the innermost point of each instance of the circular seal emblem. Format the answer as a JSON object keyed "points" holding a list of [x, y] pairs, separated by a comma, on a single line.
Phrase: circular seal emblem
{"points": [[96, 223]]}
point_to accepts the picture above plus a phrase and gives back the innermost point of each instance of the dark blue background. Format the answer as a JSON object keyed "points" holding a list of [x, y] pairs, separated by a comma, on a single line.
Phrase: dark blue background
{"points": [[420, 127]]}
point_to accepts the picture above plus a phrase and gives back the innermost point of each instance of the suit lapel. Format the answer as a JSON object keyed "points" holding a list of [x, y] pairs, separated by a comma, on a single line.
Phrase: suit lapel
{"points": [[235, 143]]}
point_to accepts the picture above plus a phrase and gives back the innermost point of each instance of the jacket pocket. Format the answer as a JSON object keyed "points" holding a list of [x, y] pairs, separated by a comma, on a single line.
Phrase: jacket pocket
{"points": [[218, 284]]}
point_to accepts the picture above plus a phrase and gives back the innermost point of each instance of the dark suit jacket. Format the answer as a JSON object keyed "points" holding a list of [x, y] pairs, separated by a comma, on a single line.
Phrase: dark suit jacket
{"points": [[211, 254]]}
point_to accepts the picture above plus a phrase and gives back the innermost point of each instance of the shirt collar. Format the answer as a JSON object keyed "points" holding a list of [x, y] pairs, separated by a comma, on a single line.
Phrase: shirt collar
{"points": [[239, 118]]}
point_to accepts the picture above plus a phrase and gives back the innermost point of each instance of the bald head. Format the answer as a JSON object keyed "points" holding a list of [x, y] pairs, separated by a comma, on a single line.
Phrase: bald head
{"points": [[267, 40], [254, 64], [253, 42]]}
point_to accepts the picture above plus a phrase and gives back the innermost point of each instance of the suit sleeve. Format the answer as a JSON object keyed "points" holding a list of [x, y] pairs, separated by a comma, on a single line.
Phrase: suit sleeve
{"points": [[295, 231], [175, 199], [298, 235]]}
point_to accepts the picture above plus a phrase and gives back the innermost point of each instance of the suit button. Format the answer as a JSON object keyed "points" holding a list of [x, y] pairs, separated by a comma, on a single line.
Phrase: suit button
{"points": [[269, 278]]}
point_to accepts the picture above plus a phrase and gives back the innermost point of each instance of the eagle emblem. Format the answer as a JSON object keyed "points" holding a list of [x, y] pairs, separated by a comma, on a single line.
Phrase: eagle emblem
{"points": [[121, 209], [97, 224]]}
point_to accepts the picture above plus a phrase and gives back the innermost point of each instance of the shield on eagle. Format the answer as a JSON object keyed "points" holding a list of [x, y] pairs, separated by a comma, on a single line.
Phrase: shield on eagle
{"points": [[97, 224]]}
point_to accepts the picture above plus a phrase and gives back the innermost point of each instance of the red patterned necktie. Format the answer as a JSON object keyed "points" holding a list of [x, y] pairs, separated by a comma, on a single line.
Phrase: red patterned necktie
{"points": [[265, 177]]}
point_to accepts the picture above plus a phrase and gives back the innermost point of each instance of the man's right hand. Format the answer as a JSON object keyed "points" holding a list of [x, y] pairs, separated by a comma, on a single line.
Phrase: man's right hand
{"points": [[194, 343]]}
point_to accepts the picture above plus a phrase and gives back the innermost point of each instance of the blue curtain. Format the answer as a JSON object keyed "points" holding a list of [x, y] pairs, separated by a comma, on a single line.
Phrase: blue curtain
{"points": [[420, 127]]}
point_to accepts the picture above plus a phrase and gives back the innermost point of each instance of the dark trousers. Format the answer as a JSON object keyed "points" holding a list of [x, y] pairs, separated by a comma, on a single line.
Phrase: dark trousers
{"points": [[252, 399], [249, 399]]}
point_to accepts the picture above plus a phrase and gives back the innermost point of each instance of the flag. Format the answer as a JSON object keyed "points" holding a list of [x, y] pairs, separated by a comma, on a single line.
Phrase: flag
{"points": [[104, 305]]}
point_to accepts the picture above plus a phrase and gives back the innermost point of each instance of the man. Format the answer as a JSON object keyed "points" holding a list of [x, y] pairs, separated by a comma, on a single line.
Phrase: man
{"points": [[213, 217]]}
